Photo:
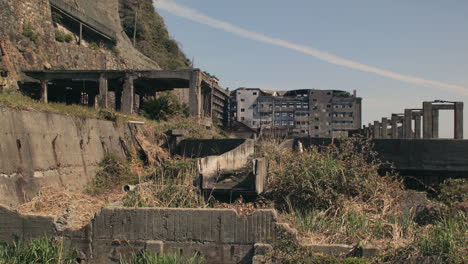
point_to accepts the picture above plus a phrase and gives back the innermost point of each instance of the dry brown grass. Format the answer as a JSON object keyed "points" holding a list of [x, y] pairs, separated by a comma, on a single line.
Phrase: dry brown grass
{"points": [[73, 210]]}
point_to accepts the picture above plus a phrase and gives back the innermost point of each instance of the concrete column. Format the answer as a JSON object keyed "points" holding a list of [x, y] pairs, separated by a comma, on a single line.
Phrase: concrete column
{"points": [[458, 122], [128, 95], [376, 129], [417, 126], [384, 132], [394, 126], [44, 91], [407, 131], [103, 92], [427, 119], [435, 123], [81, 34], [195, 94]]}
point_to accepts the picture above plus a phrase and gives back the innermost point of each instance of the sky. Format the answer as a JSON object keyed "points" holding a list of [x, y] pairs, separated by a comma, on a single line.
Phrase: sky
{"points": [[396, 54]]}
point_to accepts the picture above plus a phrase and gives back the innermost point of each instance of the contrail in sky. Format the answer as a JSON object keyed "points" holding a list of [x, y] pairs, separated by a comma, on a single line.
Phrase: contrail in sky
{"points": [[192, 14]]}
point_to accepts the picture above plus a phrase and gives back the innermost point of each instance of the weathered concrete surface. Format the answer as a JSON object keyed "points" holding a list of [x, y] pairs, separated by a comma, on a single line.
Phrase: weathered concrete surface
{"points": [[38, 149], [210, 167], [220, 235], [198, 148]]}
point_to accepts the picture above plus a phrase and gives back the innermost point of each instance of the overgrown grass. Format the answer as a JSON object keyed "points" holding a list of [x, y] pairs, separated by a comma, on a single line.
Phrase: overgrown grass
{"points": [[453, 191], [37, 251], [61, 36], [29, 32], [152, 258], [112, 172], [164, 107], [170, 185]]}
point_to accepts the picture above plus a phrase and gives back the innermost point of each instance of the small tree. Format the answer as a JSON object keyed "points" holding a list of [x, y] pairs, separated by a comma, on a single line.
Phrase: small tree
{"points": [[163, 107]]}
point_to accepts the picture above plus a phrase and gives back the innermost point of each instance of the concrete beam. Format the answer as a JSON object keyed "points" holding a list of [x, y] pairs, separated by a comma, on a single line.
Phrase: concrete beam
{"points": [[128, 95], [435, 123], [195, 94], [44, 91], [384, 132], [376, 129], [394, 121], [407, 131], [427, 120], [103, 92], [417, 126], [458, 122]]}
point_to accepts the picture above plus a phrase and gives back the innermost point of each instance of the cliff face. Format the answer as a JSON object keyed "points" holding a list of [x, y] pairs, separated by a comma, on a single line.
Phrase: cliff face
{"points": [[28, 40]]}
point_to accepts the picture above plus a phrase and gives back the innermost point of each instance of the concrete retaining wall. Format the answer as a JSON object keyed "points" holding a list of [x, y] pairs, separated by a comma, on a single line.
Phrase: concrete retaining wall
{"points": [[220, 235], [38, 149]]}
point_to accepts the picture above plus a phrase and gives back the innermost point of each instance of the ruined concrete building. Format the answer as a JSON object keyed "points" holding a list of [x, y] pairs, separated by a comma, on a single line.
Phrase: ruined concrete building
{"points": [[307, 112], [417, 123], [125, 90]]}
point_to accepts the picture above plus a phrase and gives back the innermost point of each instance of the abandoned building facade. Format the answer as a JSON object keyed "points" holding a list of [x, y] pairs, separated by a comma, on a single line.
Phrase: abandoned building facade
{"points": [[307, 112]]}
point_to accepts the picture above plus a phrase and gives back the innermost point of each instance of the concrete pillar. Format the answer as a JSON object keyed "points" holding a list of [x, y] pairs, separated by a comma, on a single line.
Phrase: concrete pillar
{"points": [[407, 131], [384, 132], [427, 119], [376, 129], [103, 92], [128, 95], [44, 91], [417, 126], [195, 94], [435, 122], [458, 122], [81, 34], [394, 126]]}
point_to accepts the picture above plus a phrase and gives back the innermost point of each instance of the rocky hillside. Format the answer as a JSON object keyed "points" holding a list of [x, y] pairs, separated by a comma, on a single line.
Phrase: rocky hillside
{"points": [[34, 36], [152, 37]]}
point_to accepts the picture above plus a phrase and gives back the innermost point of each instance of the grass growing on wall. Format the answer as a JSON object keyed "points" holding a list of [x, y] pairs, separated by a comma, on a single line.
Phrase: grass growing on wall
{"points": [[41, 250]]}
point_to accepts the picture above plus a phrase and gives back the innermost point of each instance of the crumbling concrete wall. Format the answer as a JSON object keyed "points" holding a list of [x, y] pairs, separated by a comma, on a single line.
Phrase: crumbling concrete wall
{"points": [[221, 236], [39, 149], [210, 167], [198, 148]]}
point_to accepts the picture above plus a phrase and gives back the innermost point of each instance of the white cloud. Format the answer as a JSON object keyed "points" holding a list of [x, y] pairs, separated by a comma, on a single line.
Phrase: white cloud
{"points": [[194, 15]]}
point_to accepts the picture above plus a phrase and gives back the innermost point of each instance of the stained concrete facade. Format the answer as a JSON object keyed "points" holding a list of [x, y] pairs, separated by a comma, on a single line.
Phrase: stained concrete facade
{"points": [[125, 90], [316, 113]]}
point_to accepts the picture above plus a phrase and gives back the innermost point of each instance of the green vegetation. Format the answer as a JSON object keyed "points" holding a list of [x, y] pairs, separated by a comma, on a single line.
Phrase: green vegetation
{"points": [[453, 191], [63, 37], [112, 172], [37, 251], [170, 185], [152, 37], [151, 258], [94, 46], [29, 33], [164, 107]]}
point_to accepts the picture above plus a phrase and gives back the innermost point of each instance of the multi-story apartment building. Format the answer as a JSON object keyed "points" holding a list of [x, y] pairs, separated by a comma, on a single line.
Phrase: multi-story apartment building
{"points": [[308, 112]]}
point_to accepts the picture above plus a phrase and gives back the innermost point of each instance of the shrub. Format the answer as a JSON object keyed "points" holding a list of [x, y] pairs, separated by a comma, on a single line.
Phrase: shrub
{"points": [[453, 190], [112, 172], [63, 37], [37, 251], [164, 107], [29, 32], [325, 177], [151, 258], [94, 46]]}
